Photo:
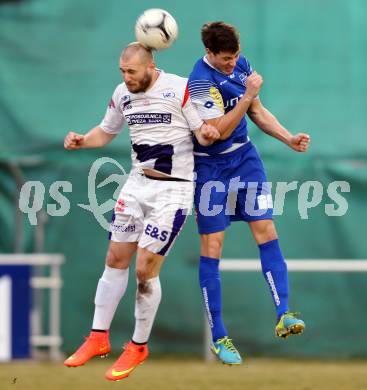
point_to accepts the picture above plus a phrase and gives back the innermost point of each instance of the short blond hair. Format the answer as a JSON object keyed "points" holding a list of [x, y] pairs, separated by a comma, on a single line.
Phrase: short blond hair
{"points": [[134, 48]]}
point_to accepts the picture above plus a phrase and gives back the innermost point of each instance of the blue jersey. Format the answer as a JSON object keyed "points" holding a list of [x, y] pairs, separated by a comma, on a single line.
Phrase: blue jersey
{"points": [[214, 94]]}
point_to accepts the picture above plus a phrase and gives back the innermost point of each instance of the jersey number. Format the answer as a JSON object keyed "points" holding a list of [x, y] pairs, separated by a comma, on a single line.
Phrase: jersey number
{"points": [[162, 153]]}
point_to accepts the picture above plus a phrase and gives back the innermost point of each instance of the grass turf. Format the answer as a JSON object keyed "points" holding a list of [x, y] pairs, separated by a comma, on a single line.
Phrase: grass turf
{"points": [[175, 374]]}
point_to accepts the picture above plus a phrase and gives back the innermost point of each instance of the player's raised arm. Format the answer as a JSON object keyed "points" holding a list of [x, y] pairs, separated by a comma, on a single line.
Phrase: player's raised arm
{"points": [[102, 134], [95, 138], [229, 121], [225, 123], [269, 124]]}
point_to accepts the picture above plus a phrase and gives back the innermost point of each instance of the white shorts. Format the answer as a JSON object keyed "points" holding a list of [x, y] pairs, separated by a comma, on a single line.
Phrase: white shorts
{"points": [[151, 212]]}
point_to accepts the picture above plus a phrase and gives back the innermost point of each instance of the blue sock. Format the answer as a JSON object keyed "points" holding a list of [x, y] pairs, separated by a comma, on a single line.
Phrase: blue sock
{"points": [[209, 278], [274, 269]]}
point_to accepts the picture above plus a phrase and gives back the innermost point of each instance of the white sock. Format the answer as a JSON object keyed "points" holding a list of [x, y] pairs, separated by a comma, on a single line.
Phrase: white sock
{"points": [[148, 297], [111, 288]]}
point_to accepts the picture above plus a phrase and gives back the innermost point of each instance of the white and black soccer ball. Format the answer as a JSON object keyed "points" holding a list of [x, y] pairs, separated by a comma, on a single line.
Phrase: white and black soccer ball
{"points": [[156, 29]]}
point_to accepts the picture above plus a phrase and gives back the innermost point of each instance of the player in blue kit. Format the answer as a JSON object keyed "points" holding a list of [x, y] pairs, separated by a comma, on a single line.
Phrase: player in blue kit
{"points": [[231, 181]]}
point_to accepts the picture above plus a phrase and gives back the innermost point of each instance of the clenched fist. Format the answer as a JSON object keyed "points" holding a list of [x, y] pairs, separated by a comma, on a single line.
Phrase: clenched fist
{"points": [[253, 84], [300, 142], [209, 132], [73, 141]]}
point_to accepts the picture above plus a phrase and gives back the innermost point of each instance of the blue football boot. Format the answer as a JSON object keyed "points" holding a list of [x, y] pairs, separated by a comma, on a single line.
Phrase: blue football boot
{"points": [[226, 351], [289, 324]]}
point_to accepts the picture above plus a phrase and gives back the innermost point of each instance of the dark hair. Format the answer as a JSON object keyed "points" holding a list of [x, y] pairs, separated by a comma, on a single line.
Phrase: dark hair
{"points": [[219, 36]]}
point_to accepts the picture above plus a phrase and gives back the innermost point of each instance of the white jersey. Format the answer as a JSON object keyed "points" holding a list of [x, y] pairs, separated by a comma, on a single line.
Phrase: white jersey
{"points": [[161, 121]]}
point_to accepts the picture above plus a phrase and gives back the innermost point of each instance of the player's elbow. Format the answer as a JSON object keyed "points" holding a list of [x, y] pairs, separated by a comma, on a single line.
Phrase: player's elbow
{"points": [[260, 117], [258, 120]]}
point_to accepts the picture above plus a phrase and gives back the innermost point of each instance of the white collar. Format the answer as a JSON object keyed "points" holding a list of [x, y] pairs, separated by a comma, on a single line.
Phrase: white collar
{"points": [[205, 59]]}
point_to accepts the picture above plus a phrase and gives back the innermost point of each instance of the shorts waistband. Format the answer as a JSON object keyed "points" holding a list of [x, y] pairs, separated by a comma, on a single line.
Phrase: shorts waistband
{"points": [[164, 178], [223, 156], [237, 144]]}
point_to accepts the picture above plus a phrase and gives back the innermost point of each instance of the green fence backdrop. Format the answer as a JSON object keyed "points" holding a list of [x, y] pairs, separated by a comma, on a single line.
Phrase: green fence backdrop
{"points": [[58, 68]]}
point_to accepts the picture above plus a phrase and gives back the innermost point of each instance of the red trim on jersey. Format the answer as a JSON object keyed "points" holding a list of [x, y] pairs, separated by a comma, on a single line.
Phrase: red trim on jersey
{"points": [[186, 96], [111, 104]]}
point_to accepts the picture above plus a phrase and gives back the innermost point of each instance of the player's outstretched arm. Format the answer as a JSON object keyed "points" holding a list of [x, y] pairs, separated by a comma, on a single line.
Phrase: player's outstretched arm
{"points": [[95, 138], [269, 124], [229, 121], [207, 134]]}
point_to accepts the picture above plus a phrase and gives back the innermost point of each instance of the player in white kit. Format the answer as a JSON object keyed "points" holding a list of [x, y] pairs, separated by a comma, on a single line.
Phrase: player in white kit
{"points": [[154, 201]]}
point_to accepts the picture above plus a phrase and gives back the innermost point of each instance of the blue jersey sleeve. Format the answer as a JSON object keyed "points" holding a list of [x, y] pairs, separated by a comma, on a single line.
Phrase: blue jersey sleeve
{"points": [[248, 66], [204, 93], [207, 98]]}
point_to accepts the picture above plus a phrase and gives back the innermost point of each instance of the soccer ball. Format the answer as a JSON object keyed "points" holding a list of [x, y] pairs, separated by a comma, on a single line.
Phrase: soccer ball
{"points": [[156, 29]]}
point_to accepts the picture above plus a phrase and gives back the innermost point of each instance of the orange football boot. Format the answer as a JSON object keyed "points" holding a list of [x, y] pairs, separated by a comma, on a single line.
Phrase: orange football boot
{"points": [[97, 344], [132, 356]]}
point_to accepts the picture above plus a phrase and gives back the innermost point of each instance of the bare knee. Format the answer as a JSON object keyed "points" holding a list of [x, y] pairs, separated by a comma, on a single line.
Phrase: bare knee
{"points": [[212, 245], [148, 265], [117, 259], [143, 271], [263, 231]]}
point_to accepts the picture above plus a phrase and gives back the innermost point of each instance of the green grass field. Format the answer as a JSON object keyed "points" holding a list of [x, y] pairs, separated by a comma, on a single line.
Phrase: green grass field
{"points": [[172, 374]]}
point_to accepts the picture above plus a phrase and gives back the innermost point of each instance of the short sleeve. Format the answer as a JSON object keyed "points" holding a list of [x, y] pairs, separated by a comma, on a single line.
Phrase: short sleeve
{"points": [[248, 70], [207, 98], [248, 67], [113, 120]]}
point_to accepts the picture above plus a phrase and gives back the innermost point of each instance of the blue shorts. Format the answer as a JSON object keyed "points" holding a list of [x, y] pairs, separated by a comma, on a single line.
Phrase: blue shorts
{"points": [[231, 187]]}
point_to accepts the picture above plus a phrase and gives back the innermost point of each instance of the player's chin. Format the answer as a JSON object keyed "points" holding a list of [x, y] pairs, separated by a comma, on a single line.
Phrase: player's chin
{"points": [[228, 70], [133, 88]]}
